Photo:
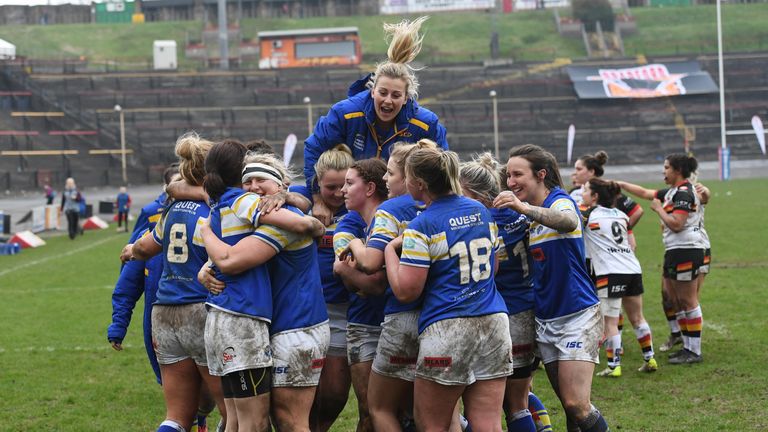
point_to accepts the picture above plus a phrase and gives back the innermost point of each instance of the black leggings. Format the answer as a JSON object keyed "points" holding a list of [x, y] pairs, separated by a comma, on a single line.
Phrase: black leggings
{"points": [[73, 218], [122, 217]]}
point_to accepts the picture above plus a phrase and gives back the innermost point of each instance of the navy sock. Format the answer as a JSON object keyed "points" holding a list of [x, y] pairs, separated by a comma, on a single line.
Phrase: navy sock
{"points": [[521, 421], [594, 423], [170, 426], [539, 413]]}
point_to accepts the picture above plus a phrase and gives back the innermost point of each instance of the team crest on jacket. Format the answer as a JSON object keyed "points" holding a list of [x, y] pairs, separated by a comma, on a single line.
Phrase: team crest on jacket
{"points": [[359, 142]]}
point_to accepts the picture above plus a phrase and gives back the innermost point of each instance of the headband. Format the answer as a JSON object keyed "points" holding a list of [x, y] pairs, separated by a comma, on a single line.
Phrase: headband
{"points": [[261, 171]]}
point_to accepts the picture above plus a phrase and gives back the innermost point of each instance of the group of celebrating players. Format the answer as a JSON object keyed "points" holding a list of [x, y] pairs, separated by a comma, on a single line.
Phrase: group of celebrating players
{"points": [[416, 279]]}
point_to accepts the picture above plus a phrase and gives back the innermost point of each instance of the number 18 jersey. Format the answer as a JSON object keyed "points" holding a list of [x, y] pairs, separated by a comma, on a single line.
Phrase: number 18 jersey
{"points": [[456, 239]]}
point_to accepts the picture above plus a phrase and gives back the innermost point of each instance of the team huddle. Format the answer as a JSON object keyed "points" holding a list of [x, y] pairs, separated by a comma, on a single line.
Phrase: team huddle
{"points": [[432, 287]]}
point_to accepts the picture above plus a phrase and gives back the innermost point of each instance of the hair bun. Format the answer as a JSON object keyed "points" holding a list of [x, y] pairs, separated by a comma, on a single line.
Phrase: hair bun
{"points": [[601, 157]]}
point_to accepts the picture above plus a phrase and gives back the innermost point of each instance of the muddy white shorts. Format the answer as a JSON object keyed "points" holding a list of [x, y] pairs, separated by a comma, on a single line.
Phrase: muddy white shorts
{"points": [[522, 332], [236, 342], [298, 356], [178, 333], [337, 320], [361, 342], [398, 346], [571, 337], [460, 351]]}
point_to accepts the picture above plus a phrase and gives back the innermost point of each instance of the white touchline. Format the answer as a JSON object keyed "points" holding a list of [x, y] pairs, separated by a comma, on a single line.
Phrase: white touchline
{"points": [[38, 290], [43, 260], [106, 346]]}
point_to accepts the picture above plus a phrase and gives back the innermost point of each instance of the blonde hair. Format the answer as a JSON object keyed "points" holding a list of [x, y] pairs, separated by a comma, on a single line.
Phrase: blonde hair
{"points": [[338, 158], [69, 183], [404, 45], [439, 170], [481, 177], [272, 161], [401, 150], [192, 150]]}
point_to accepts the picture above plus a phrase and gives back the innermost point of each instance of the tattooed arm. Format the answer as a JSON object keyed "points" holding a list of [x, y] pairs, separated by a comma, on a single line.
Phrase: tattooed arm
{"points": [[561, 218]]}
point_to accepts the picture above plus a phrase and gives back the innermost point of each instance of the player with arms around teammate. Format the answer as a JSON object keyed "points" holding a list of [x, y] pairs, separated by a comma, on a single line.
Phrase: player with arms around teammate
{"points": [[618, 276], [390, 394], [448, 259], [237, 336], [364, 190], [480, 181], [568, 321], [299, 328], [678, 209], [179, 315]]}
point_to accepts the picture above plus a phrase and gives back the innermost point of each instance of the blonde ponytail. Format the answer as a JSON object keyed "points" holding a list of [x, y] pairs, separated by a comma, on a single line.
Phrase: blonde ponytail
{"points": [[338, 158], [405, 43], [481, 177], [439, 170]]}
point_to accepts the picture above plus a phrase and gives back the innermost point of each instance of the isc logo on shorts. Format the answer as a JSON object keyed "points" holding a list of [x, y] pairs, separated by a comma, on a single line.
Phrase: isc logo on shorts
{"points": [[438, 362], [281, 369], [572, 345]]}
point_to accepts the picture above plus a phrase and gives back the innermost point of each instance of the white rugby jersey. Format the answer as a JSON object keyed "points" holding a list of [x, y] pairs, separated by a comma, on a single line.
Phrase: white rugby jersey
{"points": [[577, 194], [704, 235], [607, 242], [682, 198]]}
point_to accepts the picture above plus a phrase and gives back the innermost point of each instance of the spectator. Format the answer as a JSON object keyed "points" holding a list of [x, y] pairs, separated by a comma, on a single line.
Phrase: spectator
{"points": [[123, 203], [50, 194], [70, 205]]}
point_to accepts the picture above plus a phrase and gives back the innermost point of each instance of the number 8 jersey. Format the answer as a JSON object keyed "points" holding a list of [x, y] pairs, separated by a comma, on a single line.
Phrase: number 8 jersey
{"points": [[183, 252], [456, 239]]}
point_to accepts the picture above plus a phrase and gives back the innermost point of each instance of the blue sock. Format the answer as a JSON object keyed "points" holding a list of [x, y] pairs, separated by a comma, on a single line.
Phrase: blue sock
{"points": [[594, 422], [539, 414], [521, 421], [170, 426], [468, 428], [201, 421]]}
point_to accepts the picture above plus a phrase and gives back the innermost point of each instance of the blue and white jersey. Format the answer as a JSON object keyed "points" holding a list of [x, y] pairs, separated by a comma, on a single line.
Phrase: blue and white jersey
{"points": [[390, 221], [513, 279], [333, 289], [183, 252], [297, 293], [367, 310], [561, 282], [456, 239], [249, 293]]}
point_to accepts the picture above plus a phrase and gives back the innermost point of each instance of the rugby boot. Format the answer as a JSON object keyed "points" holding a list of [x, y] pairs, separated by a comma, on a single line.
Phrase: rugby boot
{"points": [[649, 366], [610, 372], [670, 343]]}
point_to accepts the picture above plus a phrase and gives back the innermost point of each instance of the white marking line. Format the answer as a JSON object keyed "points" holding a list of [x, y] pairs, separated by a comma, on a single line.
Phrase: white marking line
{"points": [[77, 348], [720, 329], [38, 290], [44, 260]]}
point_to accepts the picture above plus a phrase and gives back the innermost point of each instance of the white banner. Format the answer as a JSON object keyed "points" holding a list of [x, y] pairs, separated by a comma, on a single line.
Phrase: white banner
{"points": [[757, 125], [45, 218], [419, 6]]}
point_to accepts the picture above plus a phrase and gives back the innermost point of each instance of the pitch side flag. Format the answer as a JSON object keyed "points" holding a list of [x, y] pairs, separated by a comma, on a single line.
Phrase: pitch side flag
{"points": [[757, 125]]}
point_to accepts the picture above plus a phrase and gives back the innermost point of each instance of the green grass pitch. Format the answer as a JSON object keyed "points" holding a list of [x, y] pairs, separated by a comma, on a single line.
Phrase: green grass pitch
{"points": [[58, 372]]}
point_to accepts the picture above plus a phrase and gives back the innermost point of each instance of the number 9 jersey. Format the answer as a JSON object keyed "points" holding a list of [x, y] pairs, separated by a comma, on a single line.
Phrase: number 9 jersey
{"points": [[456, 239], [183, 253]]}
